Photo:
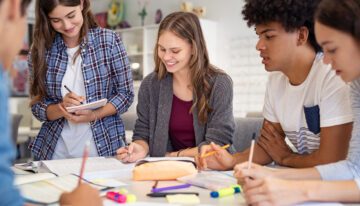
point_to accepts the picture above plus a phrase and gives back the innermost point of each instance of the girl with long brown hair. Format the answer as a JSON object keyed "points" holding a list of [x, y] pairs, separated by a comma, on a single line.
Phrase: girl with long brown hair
{"points": [[69, 49], [186, 102]]}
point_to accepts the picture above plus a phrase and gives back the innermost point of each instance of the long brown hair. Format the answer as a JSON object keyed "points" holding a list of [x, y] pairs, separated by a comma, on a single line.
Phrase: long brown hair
{"points": [[187, 26], [43, 38], [341, 15]]}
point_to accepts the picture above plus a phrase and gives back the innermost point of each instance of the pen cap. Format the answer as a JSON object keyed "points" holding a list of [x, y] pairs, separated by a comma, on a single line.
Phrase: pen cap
{"points": [[237, 188]]}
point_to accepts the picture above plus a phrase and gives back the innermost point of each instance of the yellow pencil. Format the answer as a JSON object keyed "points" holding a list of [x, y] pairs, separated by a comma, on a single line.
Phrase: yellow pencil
{"points": [[213, 152]]}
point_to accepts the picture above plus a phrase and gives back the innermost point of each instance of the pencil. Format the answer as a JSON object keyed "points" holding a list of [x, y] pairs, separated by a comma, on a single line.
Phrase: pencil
{"points": [[85, 155], [251, 150], [213, 152]]}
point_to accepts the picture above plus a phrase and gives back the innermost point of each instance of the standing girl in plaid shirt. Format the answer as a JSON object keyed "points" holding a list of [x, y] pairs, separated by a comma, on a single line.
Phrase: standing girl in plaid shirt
{"points": [[70, 49]]}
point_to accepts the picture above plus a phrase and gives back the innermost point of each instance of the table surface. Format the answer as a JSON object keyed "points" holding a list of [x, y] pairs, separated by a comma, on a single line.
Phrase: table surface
{"points": [[141, 188]]}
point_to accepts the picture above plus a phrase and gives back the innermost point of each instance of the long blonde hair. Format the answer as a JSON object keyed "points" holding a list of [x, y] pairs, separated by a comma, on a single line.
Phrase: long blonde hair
{"points": [[43, 38], [187, 26]]}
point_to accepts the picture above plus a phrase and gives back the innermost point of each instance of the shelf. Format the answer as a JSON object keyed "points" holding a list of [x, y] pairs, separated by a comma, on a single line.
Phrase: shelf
{"points": [[137, 28], [135, 54]]}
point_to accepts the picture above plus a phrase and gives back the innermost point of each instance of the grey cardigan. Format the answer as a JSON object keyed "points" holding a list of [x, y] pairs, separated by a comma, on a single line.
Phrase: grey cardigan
{"points": [[154, 109]]}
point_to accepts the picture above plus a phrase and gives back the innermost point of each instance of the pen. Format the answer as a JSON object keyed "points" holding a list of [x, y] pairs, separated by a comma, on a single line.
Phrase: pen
{"points": [[67, 88], [85, 155], [155, 184], [160, 189], [213, 152], [251, 150], [163, 194]]}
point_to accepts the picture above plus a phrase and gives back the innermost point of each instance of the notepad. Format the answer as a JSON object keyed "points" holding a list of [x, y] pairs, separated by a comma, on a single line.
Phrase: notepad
{"points": [[88, 106]]}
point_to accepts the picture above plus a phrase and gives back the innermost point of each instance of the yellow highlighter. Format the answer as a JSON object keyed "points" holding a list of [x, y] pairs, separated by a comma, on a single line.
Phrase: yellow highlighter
{"points": [[226, 191], [213, 152]]}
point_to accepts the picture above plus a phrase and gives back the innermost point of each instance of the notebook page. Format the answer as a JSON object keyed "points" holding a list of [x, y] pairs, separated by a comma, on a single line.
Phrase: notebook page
{"points": [[23, 179], [49, 190], [72, 166], [40, 192], [88, 106]]}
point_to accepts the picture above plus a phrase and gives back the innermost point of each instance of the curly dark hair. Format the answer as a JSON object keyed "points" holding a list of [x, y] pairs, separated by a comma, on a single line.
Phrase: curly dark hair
{"points": [[291, 14]]}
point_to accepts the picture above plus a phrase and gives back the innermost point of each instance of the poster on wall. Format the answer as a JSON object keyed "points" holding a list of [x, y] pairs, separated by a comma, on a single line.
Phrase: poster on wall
{"points": [[20, 79]]}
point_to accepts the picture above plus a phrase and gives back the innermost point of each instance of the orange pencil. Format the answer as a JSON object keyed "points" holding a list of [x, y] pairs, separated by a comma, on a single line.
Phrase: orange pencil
{"points": [[213, 152], [85, 155]]}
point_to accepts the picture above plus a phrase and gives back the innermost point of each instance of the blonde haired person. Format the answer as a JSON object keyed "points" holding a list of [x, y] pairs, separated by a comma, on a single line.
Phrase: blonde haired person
{"points": [[186, 102]]}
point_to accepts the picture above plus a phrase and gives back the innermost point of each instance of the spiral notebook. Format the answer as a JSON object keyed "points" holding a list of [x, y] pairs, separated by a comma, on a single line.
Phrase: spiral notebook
{"points": [[88, 106]]}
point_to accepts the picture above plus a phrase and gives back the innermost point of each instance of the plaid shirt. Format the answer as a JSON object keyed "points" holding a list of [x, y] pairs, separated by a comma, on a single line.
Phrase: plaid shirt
{"points": [[107, 74]]}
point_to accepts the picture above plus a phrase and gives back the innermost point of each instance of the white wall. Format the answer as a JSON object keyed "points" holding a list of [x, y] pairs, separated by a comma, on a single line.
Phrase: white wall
{"points": [[235, 44]]}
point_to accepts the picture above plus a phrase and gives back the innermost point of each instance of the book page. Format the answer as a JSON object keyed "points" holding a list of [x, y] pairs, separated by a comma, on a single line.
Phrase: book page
{"points": [[88, 106], [27, 178], [49, 190], [40, 192], [72, 166]]}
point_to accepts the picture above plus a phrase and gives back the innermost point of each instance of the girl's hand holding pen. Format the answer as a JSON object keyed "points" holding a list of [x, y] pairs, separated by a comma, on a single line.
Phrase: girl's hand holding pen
{"points": [[242, 173], [72, 99], [131, 153], [220, 160]]}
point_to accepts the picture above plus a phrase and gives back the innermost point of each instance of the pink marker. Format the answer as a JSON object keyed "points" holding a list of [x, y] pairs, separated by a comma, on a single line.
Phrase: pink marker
{"points": [[117, 197]]}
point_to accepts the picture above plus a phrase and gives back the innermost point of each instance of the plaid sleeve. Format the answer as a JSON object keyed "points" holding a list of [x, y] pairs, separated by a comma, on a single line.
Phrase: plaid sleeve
{"points": [[122, 90], [38, 109]]}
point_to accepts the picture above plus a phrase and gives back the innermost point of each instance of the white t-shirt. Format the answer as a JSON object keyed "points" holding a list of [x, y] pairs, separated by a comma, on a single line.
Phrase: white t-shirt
{"points": [[322, 100], [74, 136]]}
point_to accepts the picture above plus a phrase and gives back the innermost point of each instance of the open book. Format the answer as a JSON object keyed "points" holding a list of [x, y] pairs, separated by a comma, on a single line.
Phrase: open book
{"points": [[88, 106], [46, 188], [58, 176]]}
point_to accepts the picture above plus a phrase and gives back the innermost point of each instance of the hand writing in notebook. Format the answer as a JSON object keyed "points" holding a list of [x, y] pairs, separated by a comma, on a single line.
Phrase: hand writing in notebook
{"points": [[71, 98], [221, 160], [132, 152], [243, 174]]}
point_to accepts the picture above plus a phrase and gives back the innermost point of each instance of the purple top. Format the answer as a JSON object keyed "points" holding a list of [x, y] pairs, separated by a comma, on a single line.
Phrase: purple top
{"points": [[181, 126]]}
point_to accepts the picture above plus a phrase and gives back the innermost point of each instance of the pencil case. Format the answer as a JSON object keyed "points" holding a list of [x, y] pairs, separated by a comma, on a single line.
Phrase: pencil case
{"points": [[163, 169]]}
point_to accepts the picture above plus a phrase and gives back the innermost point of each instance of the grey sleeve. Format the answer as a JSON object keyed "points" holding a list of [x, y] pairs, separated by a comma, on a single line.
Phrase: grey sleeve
{"points": [[348, 171], [221, 125], [349, 168], [141, 130]]}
